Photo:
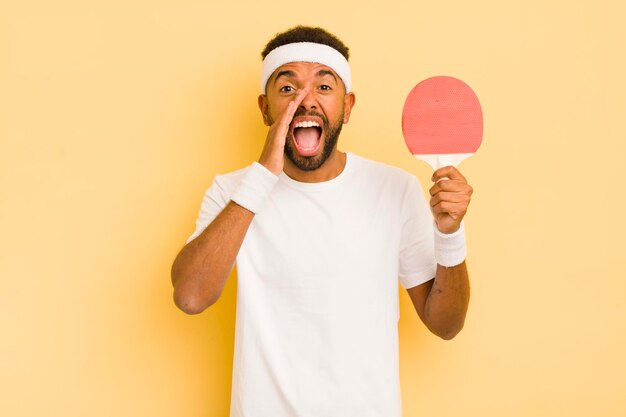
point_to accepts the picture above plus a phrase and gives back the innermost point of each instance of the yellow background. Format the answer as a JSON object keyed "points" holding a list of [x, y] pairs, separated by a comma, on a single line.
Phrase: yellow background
{"points": [[115, 116]]}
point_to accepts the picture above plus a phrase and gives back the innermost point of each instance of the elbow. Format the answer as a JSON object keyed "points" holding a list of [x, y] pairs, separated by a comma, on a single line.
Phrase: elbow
{"points": [[448, 335], [446, 330], [194, 293], [190, 305], [185, 297], [189, 301], [450, 332]]}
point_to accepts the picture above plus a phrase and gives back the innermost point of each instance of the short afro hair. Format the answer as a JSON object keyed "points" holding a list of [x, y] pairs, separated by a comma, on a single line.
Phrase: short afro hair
{"points": [[306, 34]]}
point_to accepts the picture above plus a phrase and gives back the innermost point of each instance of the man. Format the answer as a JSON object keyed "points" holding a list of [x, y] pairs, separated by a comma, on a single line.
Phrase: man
{"points": [[320, 238]]}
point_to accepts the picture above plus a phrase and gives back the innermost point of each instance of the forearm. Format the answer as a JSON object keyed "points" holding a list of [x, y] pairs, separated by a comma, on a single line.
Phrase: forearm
{"points": [[202, 267], [447, 302]]}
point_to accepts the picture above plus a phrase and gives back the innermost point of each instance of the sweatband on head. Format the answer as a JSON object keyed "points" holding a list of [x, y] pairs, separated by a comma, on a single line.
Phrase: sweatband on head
{"points": [[450, 249], [255, 187], [306, 52]]}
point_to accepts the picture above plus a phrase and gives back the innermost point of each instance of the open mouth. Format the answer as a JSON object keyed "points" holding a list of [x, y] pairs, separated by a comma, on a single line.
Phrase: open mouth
{"points": [[307, 134]]}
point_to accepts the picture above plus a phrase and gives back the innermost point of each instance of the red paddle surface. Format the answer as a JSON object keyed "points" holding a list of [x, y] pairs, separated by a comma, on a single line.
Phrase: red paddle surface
{"points": [[442, 115]]}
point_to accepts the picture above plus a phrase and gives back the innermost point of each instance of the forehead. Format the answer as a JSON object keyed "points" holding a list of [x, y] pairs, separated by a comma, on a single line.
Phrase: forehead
{"points": [[302, 69]]}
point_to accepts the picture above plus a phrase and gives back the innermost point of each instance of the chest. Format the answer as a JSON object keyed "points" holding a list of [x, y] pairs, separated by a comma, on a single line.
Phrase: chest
{"points": [[309, 238]]}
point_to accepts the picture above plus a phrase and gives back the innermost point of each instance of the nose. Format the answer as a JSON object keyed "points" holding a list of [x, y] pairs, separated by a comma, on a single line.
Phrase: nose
{"points": [[309, 101]]}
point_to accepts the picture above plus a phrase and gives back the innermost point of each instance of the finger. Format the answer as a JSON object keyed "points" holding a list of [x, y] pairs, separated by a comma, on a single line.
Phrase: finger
{"points": [[438, 211], [450, 185], [450, 197], [287, 117], [450, 172], [445, 207]]}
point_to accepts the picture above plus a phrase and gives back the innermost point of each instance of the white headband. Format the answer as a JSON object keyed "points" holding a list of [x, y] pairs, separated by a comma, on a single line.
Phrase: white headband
{"points": [[306, 52]]}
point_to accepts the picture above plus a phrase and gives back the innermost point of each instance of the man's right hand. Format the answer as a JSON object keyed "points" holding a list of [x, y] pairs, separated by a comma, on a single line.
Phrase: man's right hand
{"points": [[273, 153], [202, 267]]}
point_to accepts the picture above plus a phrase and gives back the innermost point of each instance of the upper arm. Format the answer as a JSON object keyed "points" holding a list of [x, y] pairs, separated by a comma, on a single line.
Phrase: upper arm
{"points": [[418, 295], [215, 200], [416, 260]]}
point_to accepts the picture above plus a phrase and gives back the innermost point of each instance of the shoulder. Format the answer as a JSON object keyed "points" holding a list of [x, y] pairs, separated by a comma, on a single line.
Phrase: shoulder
{"points": [[384, 174]]}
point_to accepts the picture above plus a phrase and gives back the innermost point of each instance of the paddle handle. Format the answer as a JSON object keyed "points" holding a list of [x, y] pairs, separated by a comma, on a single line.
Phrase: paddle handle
{"points": [[437, 161]]}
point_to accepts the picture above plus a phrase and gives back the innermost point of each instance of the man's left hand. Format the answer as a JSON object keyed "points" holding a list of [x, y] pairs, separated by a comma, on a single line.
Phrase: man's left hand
{"points": [[449, 198]]}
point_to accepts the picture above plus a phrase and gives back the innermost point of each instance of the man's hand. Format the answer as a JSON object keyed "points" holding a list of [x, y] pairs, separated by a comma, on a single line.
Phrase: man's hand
{"points": [[273, 153], [449, 198]]}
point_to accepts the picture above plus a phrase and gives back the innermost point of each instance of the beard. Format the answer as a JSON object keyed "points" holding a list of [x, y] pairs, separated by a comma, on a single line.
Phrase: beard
{"points": [[331, 136]]}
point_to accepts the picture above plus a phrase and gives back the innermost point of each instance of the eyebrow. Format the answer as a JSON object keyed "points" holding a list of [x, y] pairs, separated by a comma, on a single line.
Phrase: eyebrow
{"points": [[286, 73], [291, 74], [323, 72]]}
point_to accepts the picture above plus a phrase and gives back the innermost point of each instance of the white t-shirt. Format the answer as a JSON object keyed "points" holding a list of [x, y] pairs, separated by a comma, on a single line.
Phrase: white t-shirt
{"points": [[317, 311]]}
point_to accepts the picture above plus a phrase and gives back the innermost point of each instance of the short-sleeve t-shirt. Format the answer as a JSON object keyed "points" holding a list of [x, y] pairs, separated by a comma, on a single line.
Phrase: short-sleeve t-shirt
{"points": [[316, 331]]}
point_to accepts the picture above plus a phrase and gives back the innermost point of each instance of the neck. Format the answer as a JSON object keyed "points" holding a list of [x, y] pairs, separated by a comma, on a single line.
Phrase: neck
{"points": [[330, 169]]}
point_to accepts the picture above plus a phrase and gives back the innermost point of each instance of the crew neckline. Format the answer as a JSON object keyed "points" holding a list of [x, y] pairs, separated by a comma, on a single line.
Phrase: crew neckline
{"points": [[324, 185]]}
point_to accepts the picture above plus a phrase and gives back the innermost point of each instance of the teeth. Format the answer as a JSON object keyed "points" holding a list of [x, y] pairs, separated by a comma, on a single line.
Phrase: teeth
{"points": [[307, 124]]}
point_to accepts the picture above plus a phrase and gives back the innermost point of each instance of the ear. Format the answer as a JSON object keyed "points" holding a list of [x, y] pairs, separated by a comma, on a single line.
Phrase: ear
{"points": [[264, 107], [348, 103]]}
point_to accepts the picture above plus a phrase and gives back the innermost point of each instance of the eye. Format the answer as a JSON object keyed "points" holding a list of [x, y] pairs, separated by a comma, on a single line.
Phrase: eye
{"points": [[287, 89], [325, 87]]}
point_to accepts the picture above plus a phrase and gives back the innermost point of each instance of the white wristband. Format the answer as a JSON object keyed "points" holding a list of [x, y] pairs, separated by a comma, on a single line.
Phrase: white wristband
{"points": [[255, 187], [450, 249]]}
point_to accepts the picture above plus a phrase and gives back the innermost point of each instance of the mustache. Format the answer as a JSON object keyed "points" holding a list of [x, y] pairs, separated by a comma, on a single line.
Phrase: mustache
{"points": [[311, 113]]}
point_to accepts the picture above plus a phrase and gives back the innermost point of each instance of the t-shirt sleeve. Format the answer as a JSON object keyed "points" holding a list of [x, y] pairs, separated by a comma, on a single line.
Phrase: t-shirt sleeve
{"points": [[213, 202], [417, 257]]}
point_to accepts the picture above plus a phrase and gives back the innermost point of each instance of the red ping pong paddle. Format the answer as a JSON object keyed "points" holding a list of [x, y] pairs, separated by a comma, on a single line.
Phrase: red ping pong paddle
{"points": [[442, 121]]}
